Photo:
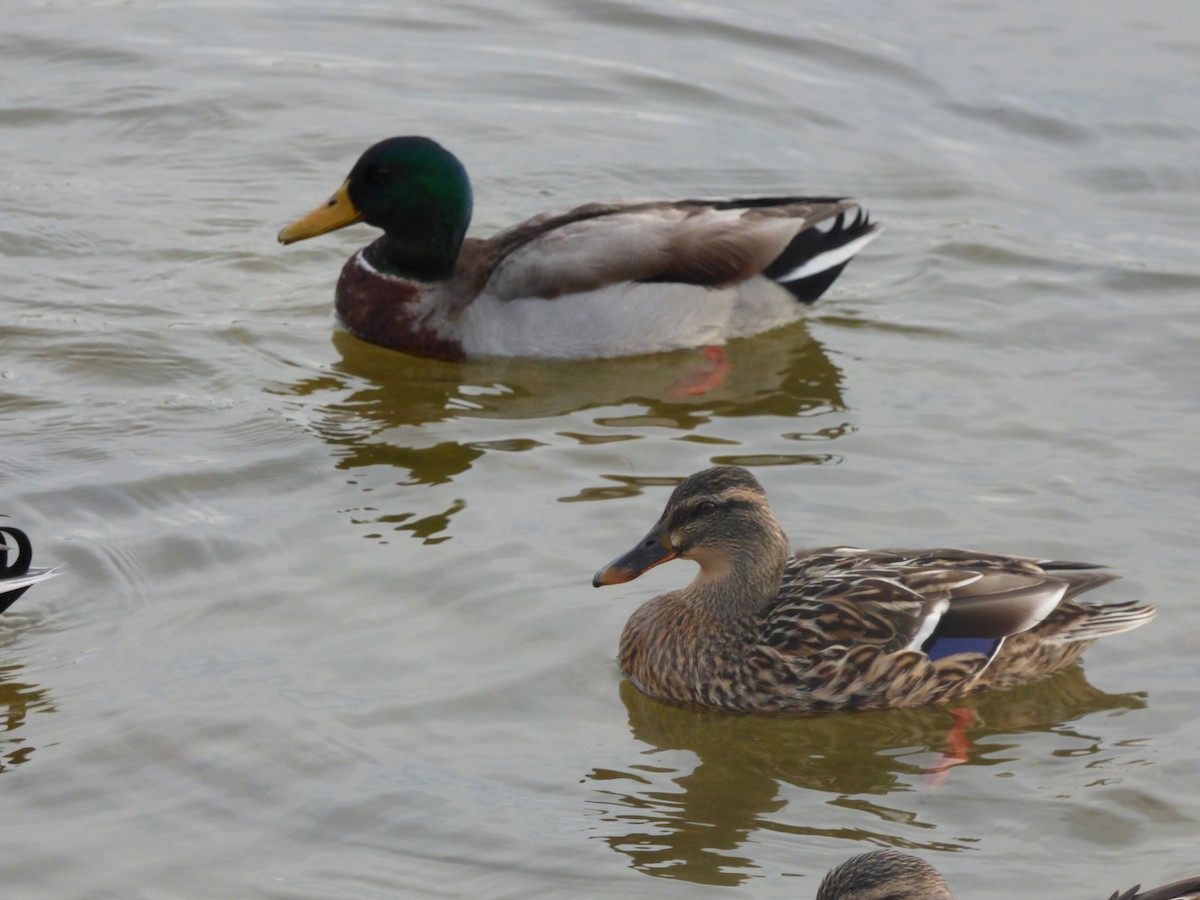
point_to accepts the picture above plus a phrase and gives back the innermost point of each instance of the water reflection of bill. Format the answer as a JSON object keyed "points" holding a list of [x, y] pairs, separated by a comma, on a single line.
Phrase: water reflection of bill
{"points": [[17, 700]]}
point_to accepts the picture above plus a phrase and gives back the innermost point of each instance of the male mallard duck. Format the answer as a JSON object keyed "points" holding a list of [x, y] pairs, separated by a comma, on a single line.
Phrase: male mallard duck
{"points": [[761, 630], [892, 875], [600, 280], [17, 577]]}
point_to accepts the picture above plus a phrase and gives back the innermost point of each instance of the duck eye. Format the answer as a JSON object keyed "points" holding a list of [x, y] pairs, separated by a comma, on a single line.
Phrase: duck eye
{"points": [[704, 507]]}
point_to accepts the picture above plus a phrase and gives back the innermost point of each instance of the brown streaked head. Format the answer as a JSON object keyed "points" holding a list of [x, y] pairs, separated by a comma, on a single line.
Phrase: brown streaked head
{"points": [[884, 875], [711, 516]]}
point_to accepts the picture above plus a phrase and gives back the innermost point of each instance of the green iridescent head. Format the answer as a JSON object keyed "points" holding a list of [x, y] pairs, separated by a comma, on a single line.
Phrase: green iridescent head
{"points": [[416, 191]]}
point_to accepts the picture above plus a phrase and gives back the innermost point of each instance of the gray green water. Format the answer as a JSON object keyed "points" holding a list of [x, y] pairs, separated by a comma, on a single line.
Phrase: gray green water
{"points": [[326, 627]]}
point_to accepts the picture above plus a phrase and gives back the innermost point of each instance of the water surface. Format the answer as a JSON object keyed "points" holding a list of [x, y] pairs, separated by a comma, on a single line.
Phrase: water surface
{"points": [[326, 628]]}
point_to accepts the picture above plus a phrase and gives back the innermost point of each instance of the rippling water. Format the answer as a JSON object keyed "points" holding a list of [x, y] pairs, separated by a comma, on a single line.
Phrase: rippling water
{"points": [[326, 627]]}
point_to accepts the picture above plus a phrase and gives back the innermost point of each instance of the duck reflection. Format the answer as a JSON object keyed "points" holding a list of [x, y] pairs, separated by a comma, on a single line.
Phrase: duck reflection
{"points": [[431, 421], [688, 823], [17, 700], [785, 373]]}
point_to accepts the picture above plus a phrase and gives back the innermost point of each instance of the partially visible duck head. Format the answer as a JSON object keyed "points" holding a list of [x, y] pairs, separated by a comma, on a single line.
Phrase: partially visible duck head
{"points": [[884, 875]]}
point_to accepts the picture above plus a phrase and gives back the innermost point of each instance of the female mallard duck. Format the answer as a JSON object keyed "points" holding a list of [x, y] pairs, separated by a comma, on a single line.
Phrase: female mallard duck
{"points": [[18, 576], [600, 280], [892, 875], [761, 630]]}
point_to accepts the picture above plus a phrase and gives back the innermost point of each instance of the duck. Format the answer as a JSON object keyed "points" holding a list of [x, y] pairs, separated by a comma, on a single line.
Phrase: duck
{"points": [[761, 629], [892, 875], [600, 280], [18, 576], [884, 875]]}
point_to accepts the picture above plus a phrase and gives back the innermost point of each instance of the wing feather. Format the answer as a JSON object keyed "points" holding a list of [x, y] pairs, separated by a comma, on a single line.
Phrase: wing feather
{"points": [[708, 243]]}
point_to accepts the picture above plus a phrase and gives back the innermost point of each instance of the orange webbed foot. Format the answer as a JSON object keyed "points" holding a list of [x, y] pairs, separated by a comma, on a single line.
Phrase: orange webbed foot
{"points": [[711, 374]]}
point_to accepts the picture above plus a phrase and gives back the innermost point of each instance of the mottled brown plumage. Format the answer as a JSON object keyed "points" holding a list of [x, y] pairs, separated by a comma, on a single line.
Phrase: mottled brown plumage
{"points": [[761, 630]]}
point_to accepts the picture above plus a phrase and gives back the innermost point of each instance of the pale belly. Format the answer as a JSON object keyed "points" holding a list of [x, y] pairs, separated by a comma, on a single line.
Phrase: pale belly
{"points": [[624, 320]]}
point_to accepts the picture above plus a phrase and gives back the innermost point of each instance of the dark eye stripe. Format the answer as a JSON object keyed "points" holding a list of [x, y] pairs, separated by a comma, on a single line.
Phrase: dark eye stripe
{"points": [[696, 510], [737, 504]]}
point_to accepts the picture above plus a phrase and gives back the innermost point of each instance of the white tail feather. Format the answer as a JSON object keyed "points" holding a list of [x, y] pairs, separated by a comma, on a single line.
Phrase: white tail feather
{"points": [[829, 258]]}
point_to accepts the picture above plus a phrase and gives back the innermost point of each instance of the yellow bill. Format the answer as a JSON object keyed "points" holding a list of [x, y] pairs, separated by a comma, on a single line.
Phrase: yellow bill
{"points": [[337, 212]]}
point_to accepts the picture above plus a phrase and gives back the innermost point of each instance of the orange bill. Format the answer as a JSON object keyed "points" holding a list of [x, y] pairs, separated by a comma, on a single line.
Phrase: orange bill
{"points": [[337, 212], [652, 550]]}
